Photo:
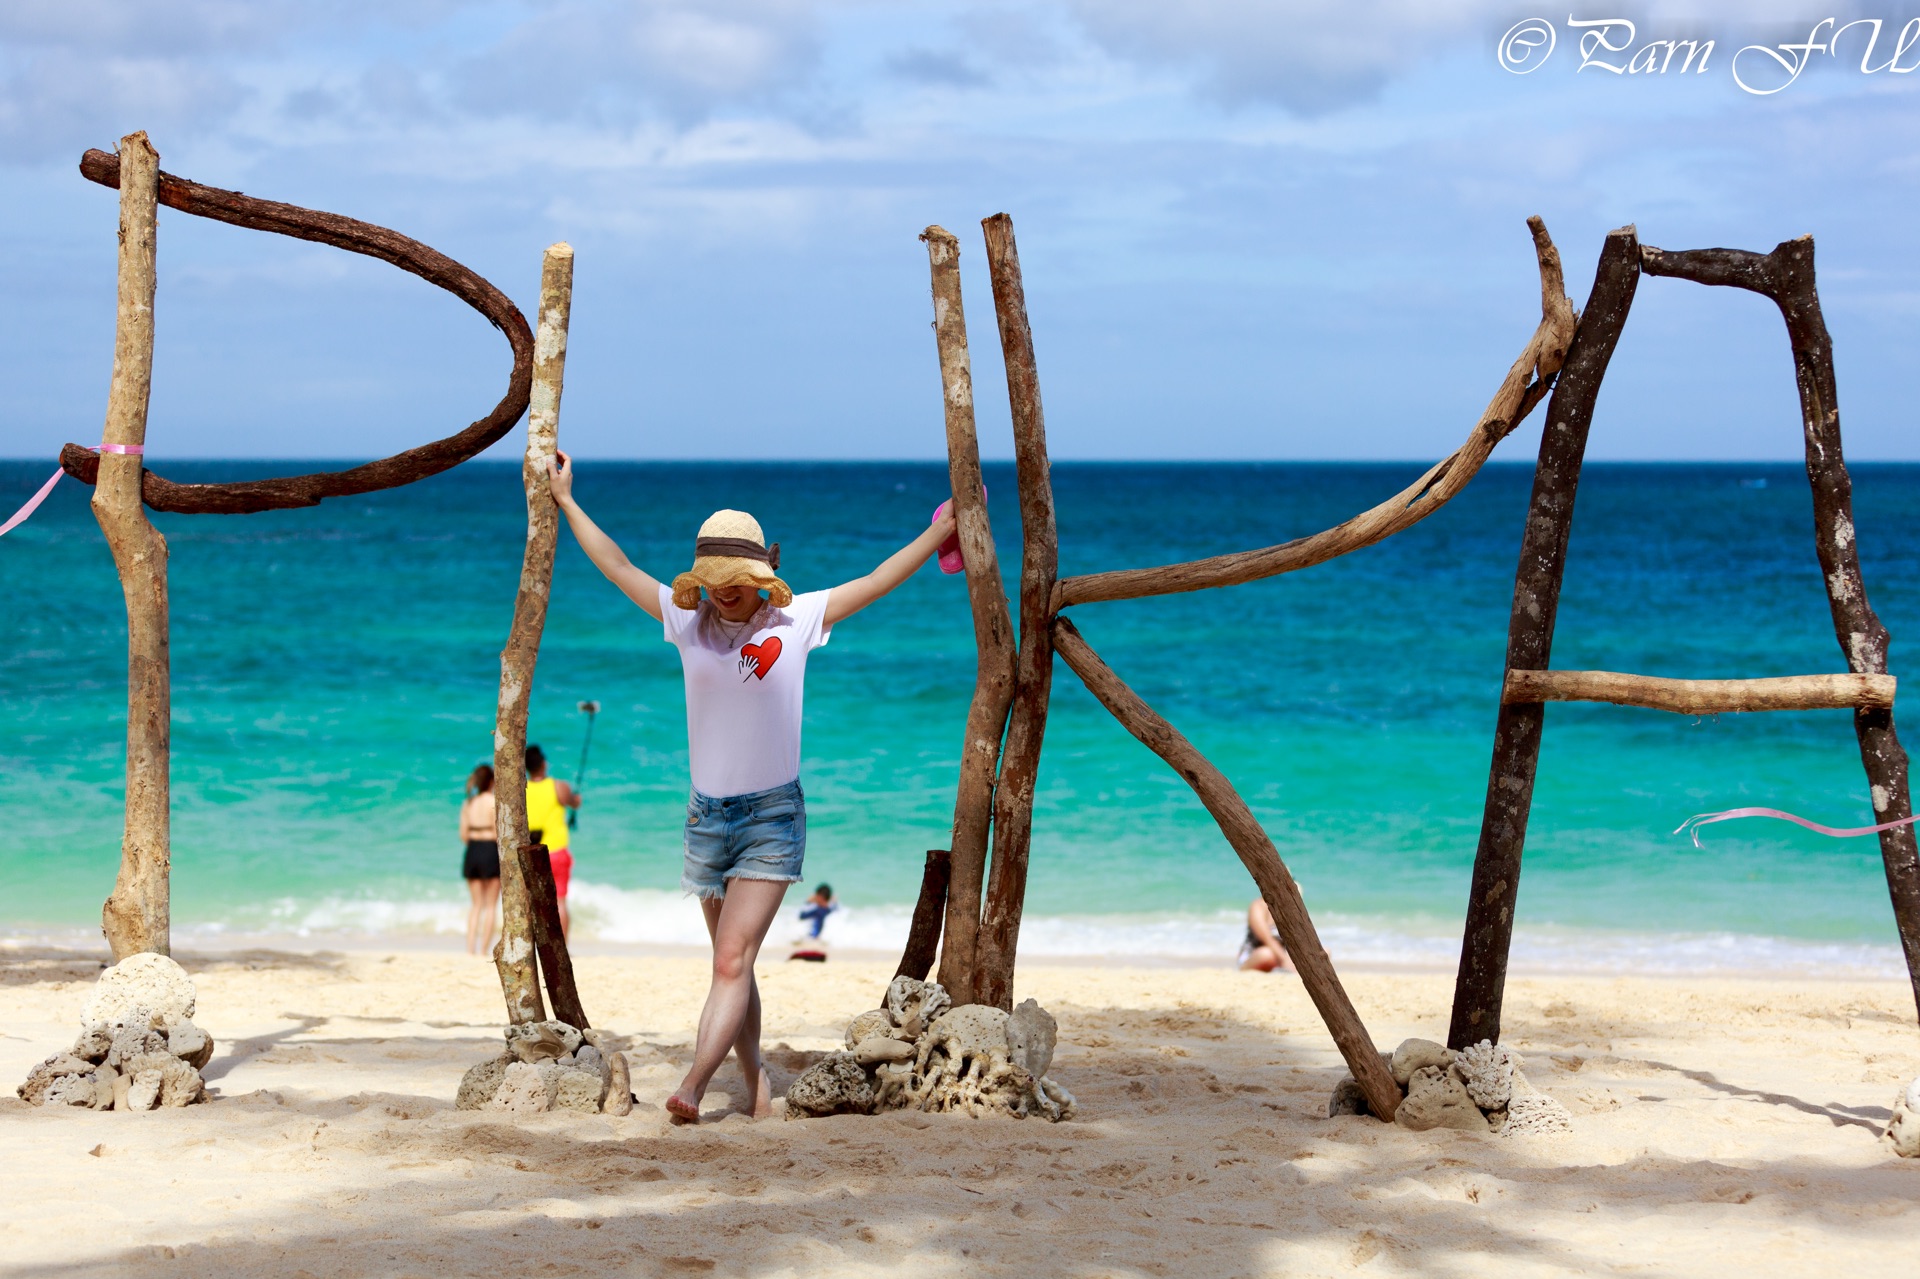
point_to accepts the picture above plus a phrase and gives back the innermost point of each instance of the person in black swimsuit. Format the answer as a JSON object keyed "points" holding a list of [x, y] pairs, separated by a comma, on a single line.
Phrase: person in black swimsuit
{"points": [[481, 865], [1262, 952]]}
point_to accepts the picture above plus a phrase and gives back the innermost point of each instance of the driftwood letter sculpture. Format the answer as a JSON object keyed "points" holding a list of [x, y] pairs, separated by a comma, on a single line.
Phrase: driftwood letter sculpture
{"points": [[136, 916], [1013, 685]]}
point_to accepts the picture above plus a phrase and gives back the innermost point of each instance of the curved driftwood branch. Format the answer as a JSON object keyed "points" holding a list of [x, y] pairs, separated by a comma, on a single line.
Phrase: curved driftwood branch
{"points": [[1786, 275], [1526, 384], [355, 237], [1033, 668], [992, 626], [1703, 696], [1257, 853]]}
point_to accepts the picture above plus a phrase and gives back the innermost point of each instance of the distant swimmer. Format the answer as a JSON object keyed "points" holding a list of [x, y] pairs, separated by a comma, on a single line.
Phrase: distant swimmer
{"points": [[813, 914], [816, 909], [481, 866], [548, 800], [1262, 952]]}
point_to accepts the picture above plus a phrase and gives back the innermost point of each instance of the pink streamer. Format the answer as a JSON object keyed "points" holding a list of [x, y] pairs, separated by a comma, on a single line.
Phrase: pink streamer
{"points": [[33, 503], [1693, 824]]}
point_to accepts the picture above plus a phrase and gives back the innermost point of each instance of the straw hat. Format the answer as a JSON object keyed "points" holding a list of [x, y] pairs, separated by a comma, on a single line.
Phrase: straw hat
{"points": [[731, 551]]}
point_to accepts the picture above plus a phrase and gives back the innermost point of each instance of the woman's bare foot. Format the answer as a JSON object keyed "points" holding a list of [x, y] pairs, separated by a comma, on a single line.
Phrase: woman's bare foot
{"points": [[682, 1111], [762, 1097]]}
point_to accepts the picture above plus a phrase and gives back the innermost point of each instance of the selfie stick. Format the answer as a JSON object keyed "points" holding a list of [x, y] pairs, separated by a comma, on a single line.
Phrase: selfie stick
{"points": [[580, 775]]}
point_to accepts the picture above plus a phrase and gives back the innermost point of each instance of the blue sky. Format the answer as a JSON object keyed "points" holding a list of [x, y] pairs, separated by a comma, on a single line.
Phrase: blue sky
{"points": [[1249, 229]]}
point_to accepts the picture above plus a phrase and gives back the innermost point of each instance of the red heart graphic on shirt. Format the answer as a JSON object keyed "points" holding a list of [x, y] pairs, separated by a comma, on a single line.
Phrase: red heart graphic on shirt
{"points": [[765, 653]]}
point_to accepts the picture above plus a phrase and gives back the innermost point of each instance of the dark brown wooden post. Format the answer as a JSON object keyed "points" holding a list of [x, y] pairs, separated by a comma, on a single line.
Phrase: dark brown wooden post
{"points": [[1787, 277], [1033, 669], [923, 936], [550, 939], [1488, 936]]}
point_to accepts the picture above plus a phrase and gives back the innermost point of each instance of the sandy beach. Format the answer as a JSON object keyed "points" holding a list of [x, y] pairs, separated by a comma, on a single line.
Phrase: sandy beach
{"points": [[1721, 1126]]}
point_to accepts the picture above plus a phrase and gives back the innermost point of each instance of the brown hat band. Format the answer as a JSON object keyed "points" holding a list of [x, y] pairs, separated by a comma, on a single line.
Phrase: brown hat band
{"points": [[739, 548]]}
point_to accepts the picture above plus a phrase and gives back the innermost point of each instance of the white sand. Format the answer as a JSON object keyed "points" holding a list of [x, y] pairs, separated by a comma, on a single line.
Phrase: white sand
{"points": [[1721, 1127]]}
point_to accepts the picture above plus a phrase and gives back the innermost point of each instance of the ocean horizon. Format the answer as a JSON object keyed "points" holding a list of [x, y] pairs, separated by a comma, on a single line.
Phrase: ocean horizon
{"points": [[335, 670]]}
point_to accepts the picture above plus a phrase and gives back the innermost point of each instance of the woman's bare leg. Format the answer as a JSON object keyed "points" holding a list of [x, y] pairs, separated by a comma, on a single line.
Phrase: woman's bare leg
{"points": [[730, 1021], [489, 914], [477, 894]]}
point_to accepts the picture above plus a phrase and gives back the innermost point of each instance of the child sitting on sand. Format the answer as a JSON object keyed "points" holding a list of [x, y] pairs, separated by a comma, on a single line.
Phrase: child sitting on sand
{"points": [[744, 657]]}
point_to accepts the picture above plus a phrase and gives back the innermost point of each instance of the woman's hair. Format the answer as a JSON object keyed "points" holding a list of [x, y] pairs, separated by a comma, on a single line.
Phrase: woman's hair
{"points": [[536, 759], [480, 781]]}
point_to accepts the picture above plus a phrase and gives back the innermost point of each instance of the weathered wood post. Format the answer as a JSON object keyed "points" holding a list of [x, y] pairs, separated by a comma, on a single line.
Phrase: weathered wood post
{"points": [[137, 916], [514, 954], [1487, 938], [992, 627], [1033, 671], [923, 934]]}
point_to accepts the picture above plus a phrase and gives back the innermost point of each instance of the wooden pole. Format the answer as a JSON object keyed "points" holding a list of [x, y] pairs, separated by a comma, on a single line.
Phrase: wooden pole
{"points": [[1703, 696], [513, 955], [992, 626], [550, 939], [136, 917], [1525, 385], [923, 936], [1257, 853], [1787, 277], [1480, 984], [353, 236], [1033, 671]]}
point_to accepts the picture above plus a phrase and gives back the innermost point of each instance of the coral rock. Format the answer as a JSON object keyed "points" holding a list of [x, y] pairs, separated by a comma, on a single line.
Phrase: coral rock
{"points": [[74, 1090], [1903, 1130], [106, 1087], [41, 1077], [1436, 1098], [1031, 1036], [914, 1005], [1347, 1099], [94, 1042], [619, 1086], [134, 1038], [180, 1084], [479, 1084], [581, 1090], [122, 1085], [871, 1052], [144, 1092], [834, 1085], [1487, 1070], [542, 1040], [526, 1088], [875, 1023], [190, 1044], [148, 981], [1417, 1054], [1531, 1113]]}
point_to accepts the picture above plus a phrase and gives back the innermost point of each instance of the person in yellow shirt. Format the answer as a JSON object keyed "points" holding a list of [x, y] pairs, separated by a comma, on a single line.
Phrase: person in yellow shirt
{"points": [[548, 800]]}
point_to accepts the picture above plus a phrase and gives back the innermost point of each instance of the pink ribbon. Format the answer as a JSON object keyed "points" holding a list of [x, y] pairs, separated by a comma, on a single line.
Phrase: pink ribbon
{"points": [[1693, 824], [33, 503]]}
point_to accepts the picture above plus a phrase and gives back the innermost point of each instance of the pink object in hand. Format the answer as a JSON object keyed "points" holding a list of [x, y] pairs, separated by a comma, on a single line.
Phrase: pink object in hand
{"points": [[950, 561]]}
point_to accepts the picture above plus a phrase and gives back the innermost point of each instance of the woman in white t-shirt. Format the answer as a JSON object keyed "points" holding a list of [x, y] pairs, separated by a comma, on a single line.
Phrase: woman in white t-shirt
{"points": [[744, 657]]}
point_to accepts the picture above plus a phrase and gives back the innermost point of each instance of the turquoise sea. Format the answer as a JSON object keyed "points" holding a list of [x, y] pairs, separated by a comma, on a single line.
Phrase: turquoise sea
{"points": [[335, 672]]}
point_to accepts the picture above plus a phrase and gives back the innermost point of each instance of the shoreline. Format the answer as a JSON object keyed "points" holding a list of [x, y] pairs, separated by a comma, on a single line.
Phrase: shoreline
{"points": [[76, 944]]}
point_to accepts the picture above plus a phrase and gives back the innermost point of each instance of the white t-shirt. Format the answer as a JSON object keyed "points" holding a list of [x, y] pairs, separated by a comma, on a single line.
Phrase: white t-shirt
{"points": [[745, 683]]}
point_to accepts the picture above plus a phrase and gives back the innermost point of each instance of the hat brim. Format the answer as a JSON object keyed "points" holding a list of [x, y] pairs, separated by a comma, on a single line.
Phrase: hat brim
{"points": [[713, 571]]}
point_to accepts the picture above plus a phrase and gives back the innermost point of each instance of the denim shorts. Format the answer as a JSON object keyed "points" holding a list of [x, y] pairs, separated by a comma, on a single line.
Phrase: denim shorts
{"points": [[757, 836]]}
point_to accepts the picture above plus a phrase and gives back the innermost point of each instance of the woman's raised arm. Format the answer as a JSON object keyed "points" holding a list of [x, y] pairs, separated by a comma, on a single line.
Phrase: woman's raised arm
{"points": [[849, 598], [638, 585]]}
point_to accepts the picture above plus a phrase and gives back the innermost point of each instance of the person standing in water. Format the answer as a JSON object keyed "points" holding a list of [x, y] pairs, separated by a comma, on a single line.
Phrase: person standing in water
{"points": [[548, 800], [744, 658], [481, 866]]}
